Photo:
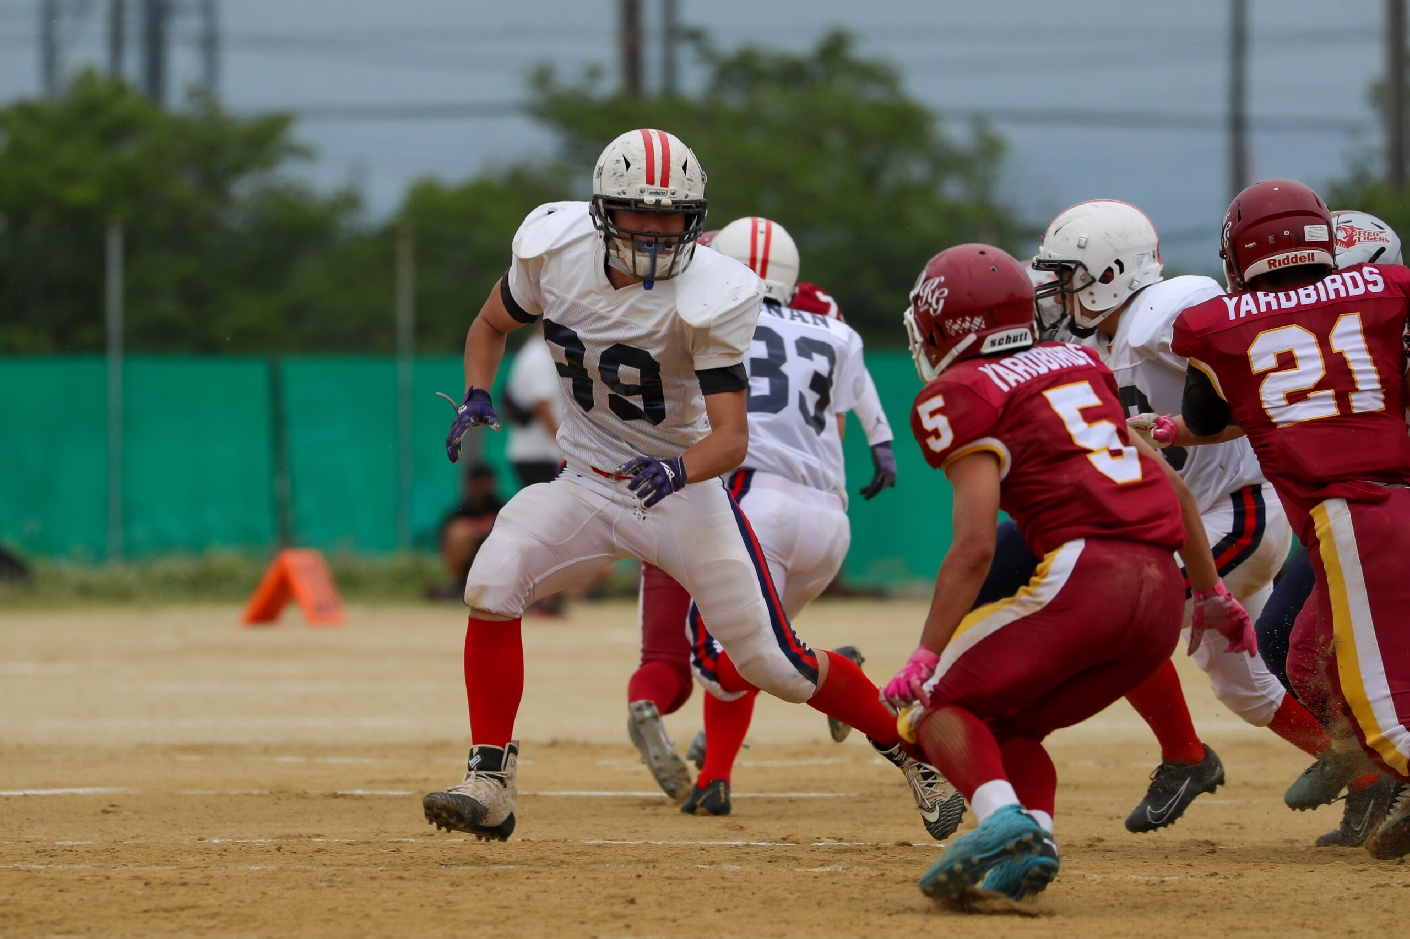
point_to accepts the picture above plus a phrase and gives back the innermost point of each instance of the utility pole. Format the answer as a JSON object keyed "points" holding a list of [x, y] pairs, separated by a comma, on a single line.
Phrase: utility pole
{"points": [[49, 48], [154, 36], [117, 37], [629, 39], [406, 363], [113, 316], [1395, 95], [670, 36], [210, 48], [1238, 97]]}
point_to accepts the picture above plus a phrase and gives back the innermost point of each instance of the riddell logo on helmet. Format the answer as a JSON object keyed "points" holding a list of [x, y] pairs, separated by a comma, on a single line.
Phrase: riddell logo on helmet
{"points": [[1292, 259]]}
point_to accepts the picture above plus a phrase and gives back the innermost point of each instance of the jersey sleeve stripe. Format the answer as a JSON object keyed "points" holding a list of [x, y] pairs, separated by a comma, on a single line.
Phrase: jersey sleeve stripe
{"points": [[514, 307], [715, 381], [983, 445]]}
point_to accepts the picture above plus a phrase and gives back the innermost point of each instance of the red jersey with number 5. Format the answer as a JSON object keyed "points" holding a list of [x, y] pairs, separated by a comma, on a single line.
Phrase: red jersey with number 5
{"points": [[1052, 416], [1315, 377]]}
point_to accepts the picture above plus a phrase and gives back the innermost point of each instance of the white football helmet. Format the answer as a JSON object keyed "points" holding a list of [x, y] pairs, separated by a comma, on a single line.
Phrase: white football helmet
{"points": [[1102, 251], [1362, 238], [648, 171], [768, 249]]}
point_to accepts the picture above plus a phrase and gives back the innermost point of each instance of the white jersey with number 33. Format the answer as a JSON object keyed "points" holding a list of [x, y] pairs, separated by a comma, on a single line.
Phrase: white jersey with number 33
{"points": [[804, 370]]}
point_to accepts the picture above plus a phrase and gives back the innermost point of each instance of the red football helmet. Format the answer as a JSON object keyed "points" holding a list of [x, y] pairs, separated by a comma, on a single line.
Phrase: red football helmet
{"points": [[970, 300], [811, 298], [1275, 224]]}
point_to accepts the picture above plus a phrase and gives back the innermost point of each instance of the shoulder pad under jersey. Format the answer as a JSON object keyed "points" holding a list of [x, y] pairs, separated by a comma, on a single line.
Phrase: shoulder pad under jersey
{"points": [[549, 226], [1157, 307], [714, 286]]}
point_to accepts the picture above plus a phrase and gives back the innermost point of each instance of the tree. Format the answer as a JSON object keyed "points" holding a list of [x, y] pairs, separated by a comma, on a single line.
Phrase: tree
{"points": [[826, 143]]}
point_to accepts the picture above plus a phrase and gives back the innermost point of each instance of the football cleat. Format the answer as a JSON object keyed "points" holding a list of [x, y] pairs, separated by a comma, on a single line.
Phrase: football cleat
{"points": [[712, 800], [1007, 835], [696, 753], [941, 805], [1173, 787], [1324, 780], [1027, 875], [1363, 812], [1392, 838], [483, 803], [657, 752], [835, 727]]}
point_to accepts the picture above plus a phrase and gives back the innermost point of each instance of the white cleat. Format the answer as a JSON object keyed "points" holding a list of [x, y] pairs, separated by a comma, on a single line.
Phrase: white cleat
{"points": [[483, 803], [657, 751], [941, 805]]}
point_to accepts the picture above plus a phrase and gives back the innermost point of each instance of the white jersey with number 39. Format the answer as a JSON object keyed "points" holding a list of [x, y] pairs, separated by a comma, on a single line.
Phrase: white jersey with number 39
{"points": [[804, 370], [629, 359]]}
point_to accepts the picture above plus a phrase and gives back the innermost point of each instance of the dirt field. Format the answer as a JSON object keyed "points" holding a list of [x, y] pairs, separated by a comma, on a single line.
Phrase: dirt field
{"points": [[166, 772]]}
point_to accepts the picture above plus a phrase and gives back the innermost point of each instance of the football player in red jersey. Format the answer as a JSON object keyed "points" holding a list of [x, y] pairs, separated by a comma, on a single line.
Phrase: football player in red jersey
{"points": [[1311, 365], [1035, 429]]}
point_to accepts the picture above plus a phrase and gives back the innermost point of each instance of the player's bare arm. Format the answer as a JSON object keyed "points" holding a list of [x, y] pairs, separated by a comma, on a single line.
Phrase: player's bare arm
{"points": [[975, 479], [484, 342], [728, 441]]}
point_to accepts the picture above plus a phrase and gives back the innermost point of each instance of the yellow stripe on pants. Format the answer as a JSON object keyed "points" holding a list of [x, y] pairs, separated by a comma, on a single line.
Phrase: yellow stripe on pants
{"points": [[1363, 681]]}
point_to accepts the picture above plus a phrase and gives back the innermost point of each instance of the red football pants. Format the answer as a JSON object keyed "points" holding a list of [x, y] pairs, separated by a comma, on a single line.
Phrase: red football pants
{"points": [[1350, 647], [1097, 619], [663, 676]]}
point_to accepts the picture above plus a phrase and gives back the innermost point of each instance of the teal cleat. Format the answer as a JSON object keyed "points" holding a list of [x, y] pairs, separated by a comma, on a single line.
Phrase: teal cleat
{"points": [[1007, 835], [1025, 876]]}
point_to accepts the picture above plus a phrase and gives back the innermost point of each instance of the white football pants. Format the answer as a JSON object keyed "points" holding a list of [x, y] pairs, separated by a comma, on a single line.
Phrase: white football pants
{"points": [[1250, 537], [553, 534]]}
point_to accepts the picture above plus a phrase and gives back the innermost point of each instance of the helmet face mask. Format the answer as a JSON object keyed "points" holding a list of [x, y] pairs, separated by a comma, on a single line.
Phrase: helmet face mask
{"points": [[648, 255]]}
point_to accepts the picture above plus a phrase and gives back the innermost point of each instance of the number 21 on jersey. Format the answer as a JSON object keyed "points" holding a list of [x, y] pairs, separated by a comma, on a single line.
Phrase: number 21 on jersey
{"points": [[1308, 368]]}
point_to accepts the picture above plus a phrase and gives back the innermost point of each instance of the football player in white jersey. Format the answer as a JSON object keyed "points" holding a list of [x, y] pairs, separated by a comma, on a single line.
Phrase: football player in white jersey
{"points": [[649, 337], [1105, 256]]}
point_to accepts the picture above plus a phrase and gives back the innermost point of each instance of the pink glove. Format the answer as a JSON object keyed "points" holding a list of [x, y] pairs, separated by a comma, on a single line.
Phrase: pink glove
{"points": [[909, 684], [1217, 609], [1158, 430]]}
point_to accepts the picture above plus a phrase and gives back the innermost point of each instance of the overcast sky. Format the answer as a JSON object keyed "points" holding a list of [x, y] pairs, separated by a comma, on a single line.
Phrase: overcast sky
{"points": [[1160, 62]]}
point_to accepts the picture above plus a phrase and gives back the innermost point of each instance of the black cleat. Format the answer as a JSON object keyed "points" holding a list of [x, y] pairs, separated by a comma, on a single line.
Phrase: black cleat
{"points": [[483, 803], [835, 727], [1364, 810], [1323, 781], [712, 800], [1173, 787], [1392, 839]]}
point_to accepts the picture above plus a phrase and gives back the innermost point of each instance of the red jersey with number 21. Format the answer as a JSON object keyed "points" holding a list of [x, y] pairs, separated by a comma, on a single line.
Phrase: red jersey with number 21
{"points": [[1315, 378], [1052, 416]]}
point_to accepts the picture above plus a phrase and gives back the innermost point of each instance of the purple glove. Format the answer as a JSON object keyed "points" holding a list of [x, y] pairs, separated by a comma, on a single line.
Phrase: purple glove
{"points": [[883, 462], [474, 410], [653, 479], [1217, 609], [909, 684]]}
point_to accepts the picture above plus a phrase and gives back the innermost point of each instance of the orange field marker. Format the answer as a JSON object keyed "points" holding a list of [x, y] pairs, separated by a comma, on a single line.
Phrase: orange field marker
{"points": [[303, 574]]}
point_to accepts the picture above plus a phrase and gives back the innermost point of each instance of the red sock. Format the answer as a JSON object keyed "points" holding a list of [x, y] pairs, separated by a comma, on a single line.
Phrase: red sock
{"points": [[662, 684], [961, 747], [1364, 780], [494, 678], [1295, 724], [1161, 703], [849, 696], [726, 723], [1031, 773]]}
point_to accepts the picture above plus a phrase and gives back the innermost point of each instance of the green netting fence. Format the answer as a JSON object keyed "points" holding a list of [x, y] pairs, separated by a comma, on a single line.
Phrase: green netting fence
{"points": [[249, 453]]}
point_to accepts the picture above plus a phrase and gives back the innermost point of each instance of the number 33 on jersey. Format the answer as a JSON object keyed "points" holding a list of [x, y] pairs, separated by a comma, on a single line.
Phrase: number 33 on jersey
{"points": [[1052, 417]]}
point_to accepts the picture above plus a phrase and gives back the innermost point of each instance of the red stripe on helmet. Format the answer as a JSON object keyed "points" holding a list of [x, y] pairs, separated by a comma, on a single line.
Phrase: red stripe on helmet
{"points": [[768, 244], [753, 244], [650, 157], [665, 158]]}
